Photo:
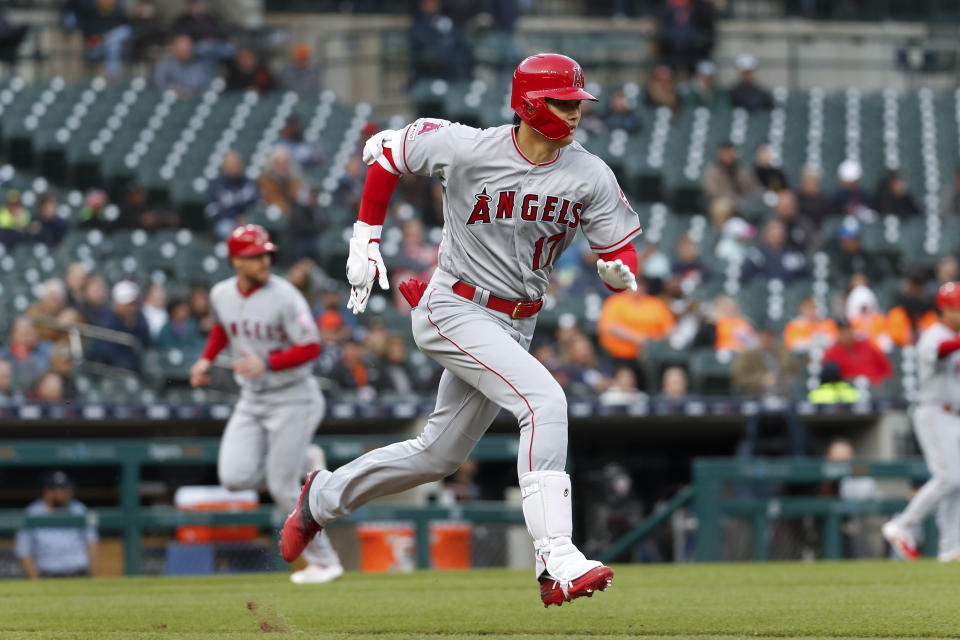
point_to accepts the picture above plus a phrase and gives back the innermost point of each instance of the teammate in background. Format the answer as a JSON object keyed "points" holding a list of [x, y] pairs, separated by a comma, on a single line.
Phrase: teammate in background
{"points": [[268, 324], [937, 423], [514, 197]]}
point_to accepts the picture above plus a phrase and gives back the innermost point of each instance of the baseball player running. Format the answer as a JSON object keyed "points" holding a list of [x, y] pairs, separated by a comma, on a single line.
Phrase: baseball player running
{"points": [[513, 199], [268, 324], [937, 422]]}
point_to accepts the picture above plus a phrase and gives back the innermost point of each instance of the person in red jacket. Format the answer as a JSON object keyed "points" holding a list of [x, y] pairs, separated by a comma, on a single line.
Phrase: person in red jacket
{"points": [[857, 356]]}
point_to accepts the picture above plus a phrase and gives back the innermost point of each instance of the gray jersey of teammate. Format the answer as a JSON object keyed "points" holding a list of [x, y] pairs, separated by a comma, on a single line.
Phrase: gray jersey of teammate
{"points": [[938, 379], [266, 438], [271, 318], [506, 219]]}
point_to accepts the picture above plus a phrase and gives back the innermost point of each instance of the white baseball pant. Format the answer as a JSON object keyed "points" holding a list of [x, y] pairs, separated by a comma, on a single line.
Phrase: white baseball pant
{"points": [[264, 445], [938, 432]]}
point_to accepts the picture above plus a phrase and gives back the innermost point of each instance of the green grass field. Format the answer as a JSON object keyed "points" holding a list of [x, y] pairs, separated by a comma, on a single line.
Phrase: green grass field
{"points": [[842, 599]]}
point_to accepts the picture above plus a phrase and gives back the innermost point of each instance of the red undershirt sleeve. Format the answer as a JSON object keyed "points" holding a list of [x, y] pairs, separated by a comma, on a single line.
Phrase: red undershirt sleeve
{"points": [[947, 347], [293, 356], [627, 254], [377, 190], [216, 342]]}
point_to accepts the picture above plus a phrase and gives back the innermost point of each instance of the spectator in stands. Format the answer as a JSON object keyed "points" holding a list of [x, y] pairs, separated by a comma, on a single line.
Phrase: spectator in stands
{"points": [[148, 31], [702, 90], [850, 198], [93, 307], [661, 91], [209, 35], [305, 223], [847, 256], [833, 389], [685, 33], [126, 317], [913, 312], [631, 318], [138, 212], [773, 258], [75, 280], [14, 219], [11, 37], [94, 212], [230, 195], [7, 390], [864, 315], [180, 332], [732, 332], [687, 267], [770, 177], [417, 257], [247, 73], [155, 309], [799, 230], [462, 485], [586, 375], [396, 374], [48, 228], [57, 552], [623, 389], [303, 152], [809, 330], [947, 270], [62, 363], [106, 33], [180, 71], [950, 198], [301, 75], [28, 357], [811, 202], [350, 188], [746, 93], [620, 115], [355, 371], [439, 48], [893, 196], [45, 312], [727, 178], [735, 240], [581, 280], [49, 389], [674, 385], [857, 356], [280, 181], [720, 210], [301, 275], [590, 120], [200, 309], [765, 369]]}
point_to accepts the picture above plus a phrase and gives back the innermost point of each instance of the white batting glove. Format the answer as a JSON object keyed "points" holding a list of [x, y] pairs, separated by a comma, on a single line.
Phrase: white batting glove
{"points": [[364, 265], [616, 274], [373, 148]]}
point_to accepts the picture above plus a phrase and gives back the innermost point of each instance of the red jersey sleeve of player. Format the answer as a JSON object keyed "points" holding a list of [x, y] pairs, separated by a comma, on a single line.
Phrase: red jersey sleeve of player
{"points": [[293, 356], [947, 347], [216, 342], [377, 190], [626, 254]]}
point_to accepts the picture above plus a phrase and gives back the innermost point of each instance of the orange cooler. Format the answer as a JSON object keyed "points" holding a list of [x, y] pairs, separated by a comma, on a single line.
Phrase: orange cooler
{"points": [[451, 545], [387, 546], [204, 498]]}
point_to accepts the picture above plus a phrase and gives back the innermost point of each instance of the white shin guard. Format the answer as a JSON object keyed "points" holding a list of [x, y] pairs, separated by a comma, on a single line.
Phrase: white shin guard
{"points": [[547, 508]]}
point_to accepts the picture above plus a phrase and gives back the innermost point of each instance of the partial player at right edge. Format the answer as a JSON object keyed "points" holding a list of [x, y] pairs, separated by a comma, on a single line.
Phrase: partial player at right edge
{"points": [[937, 423]]}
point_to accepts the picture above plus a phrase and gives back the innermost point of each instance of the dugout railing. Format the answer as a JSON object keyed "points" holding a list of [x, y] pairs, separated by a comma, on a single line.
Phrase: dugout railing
{"points": [[131, 519]]}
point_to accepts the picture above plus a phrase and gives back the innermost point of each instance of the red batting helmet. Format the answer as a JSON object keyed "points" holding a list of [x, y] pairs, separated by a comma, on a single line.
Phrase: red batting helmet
{"points": [[546, 75], [948, 295], [249, 240]]}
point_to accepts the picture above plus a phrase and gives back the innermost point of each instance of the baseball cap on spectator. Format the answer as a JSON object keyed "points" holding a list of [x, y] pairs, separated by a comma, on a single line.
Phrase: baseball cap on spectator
{"points": [[56, 480], [371, 128], [746, 62], [96, 198], [849, 171], [302, 51], [706, 68], [330, 321], [849, 228], [125, 292], [738, 229]]}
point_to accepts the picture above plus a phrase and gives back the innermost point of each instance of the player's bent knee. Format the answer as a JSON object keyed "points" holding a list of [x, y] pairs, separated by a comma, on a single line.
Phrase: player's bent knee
{"points": [[237, 479], [549, 405]]}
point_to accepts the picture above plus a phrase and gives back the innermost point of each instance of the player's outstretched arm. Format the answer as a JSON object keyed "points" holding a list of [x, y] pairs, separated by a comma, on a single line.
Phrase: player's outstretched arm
{"points": [[618, 269], [200, 371]]}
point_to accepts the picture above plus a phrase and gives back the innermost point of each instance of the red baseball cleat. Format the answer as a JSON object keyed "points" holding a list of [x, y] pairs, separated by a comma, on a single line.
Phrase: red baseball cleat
{"points": [[598, 579], [901, 540], [300, 527]]}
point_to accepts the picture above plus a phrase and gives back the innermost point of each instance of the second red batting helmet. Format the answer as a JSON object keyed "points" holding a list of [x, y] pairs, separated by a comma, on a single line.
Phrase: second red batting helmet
{"points": [[249, 240], [546, 75], [948, 295]]}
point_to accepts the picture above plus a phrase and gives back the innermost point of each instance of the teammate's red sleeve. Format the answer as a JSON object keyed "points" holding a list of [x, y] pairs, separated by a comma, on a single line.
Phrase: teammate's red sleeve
{"points": [[947, 347], [627, 254], [293, 356], [377, 191], [216, 342]]}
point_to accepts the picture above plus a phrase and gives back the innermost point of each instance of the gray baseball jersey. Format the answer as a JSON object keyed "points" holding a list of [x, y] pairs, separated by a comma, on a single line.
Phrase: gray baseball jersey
{"points": [[506, 219], [938, 378], [272, 318]]}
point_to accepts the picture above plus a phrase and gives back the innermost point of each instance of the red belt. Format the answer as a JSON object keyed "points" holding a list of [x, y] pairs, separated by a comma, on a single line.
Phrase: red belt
{"points": [[513, 308]]}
